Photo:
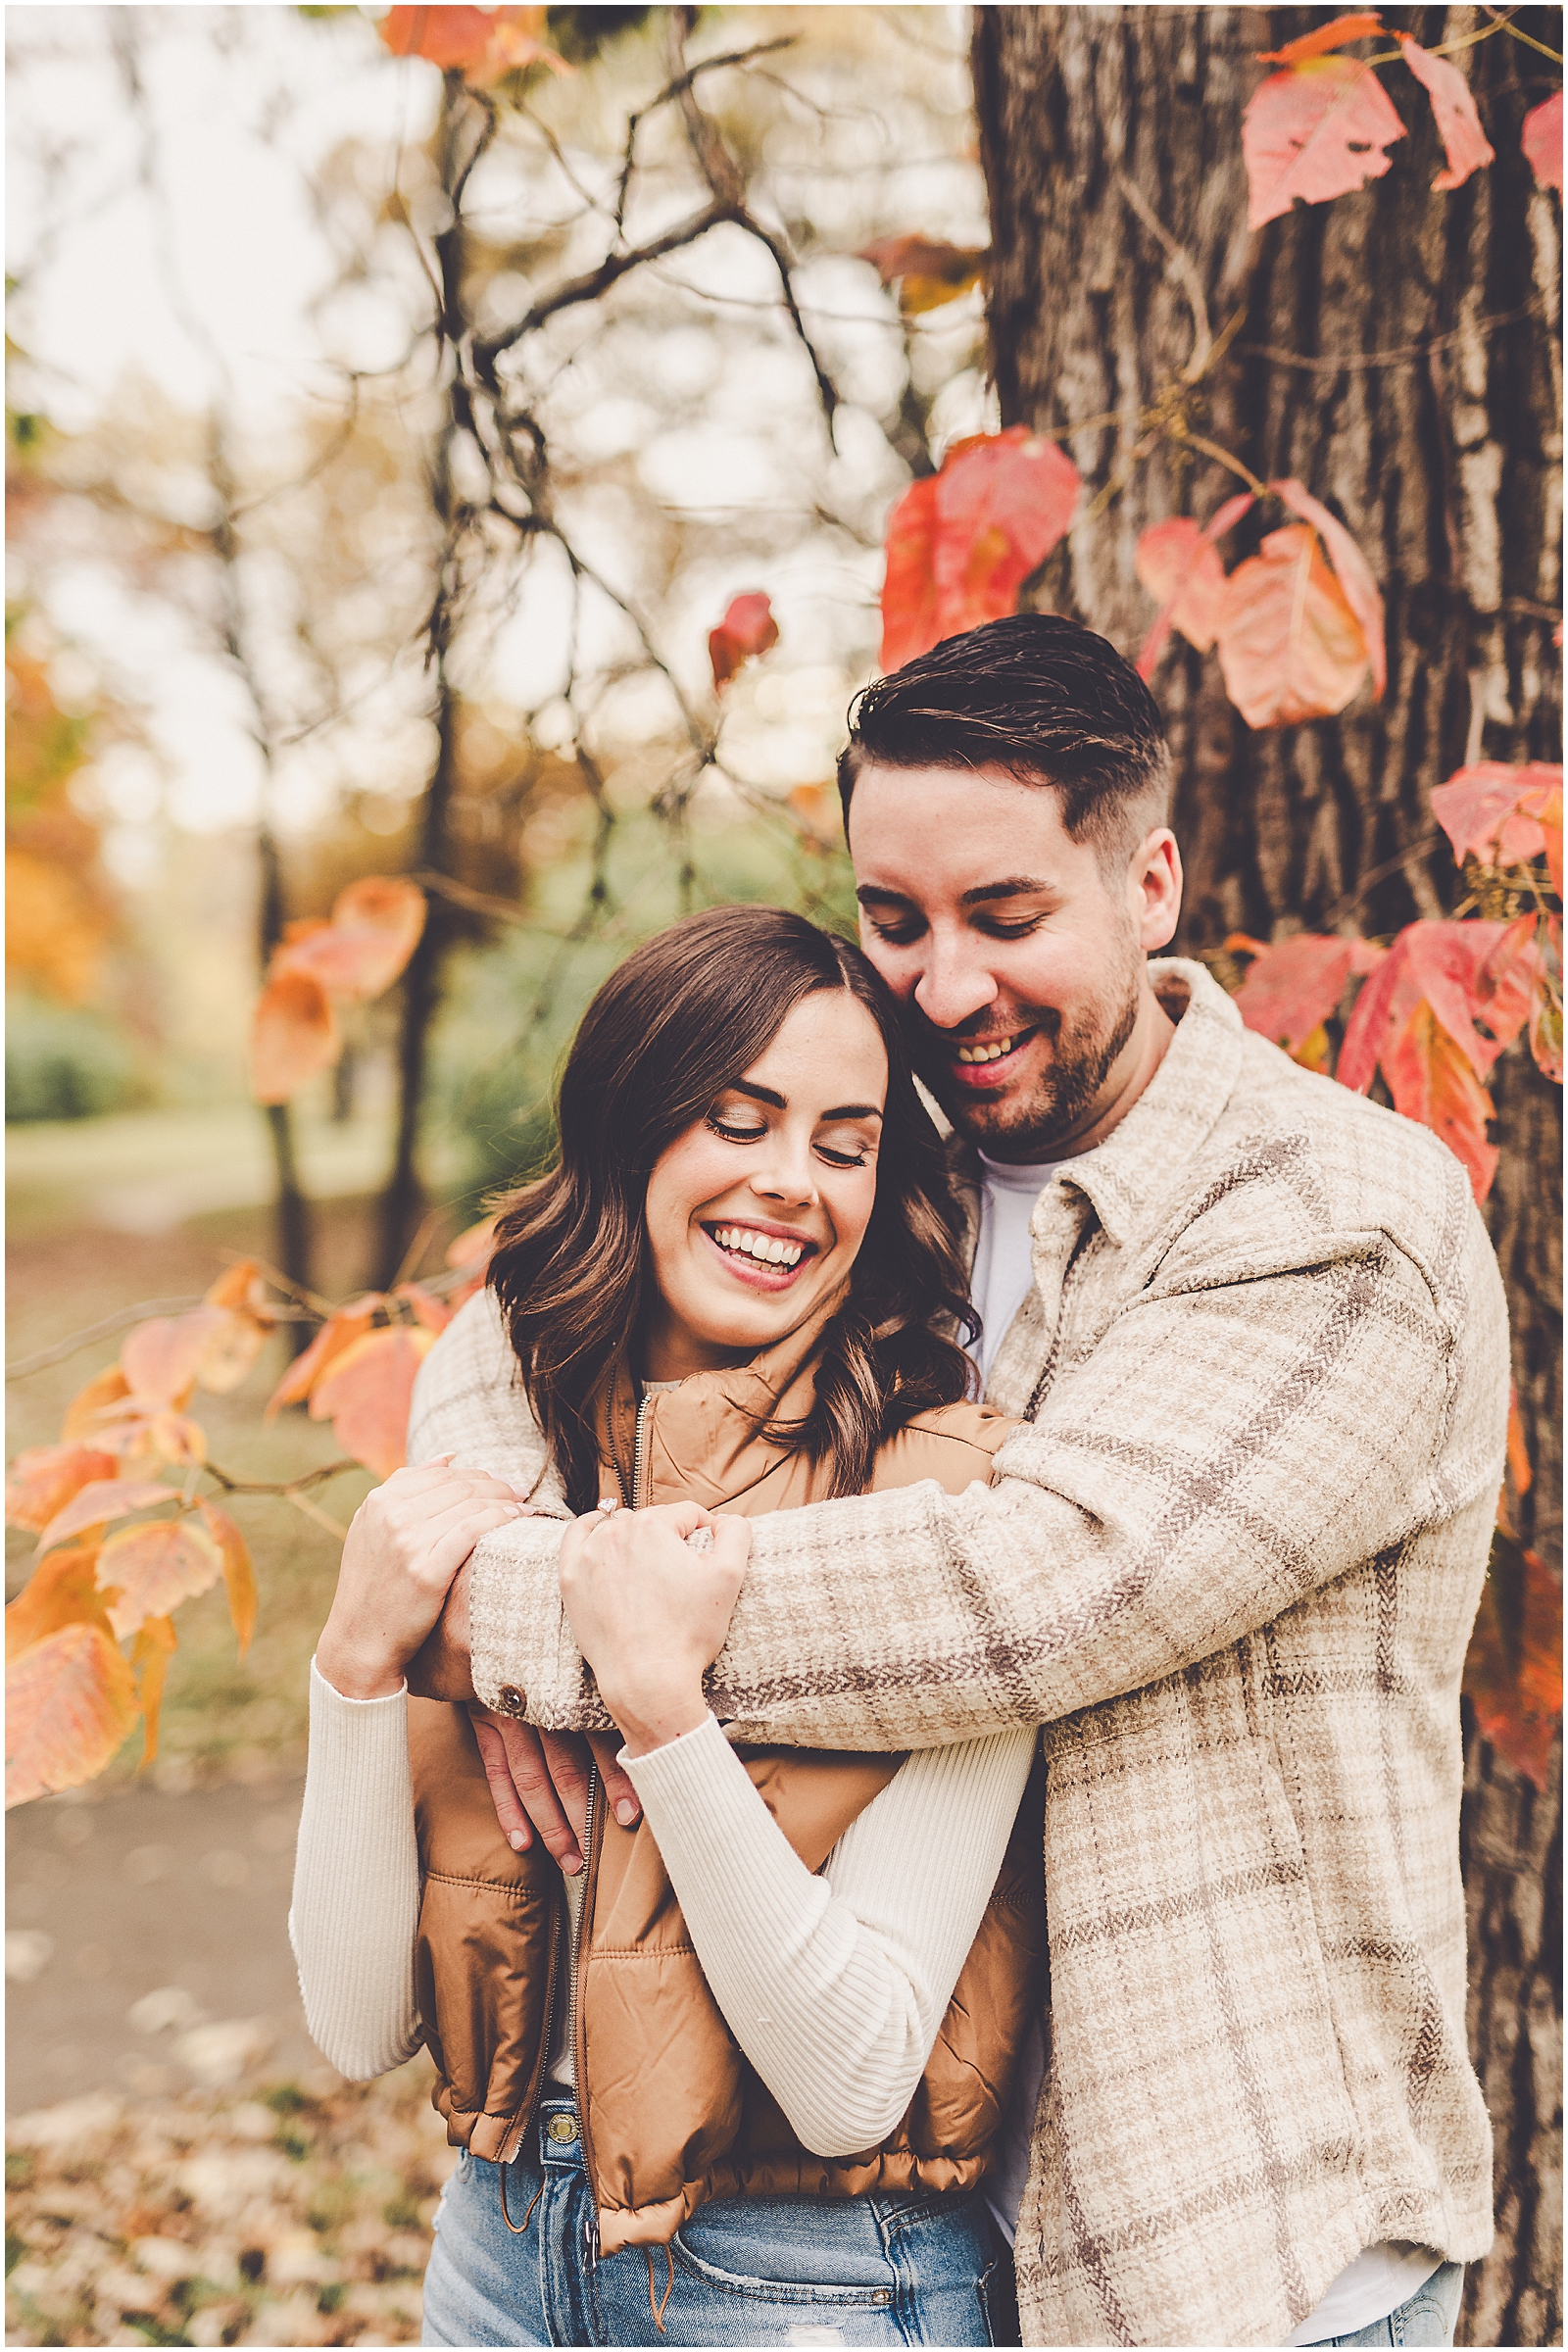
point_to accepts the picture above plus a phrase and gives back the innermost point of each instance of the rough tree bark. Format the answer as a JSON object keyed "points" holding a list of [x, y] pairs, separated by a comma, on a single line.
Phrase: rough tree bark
{"points": [[1442, 453]]}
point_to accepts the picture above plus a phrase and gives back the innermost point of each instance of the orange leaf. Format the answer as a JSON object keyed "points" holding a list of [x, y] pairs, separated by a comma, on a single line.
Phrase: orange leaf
{"points": [[159, 1358], [63, 1590], [367, 1393], [1177, 563], [1513, 1672], [376, 927], [429, 1311], [293, 1034], [151, 1652], [1314, 132], [1450, 966], [1541, 137], [1327, 37], [927, 271], [242, 1285], [155, 1565], [1453, 110], [239, 1574], [484, 42], [41, 1481], [339, 1331], [962, 544], [70, 1702], [747, 628], [1353, 571], [1293, 986], [99, 1502], [94, 1405], [1289, 646], [1431, 1080], [1519, 1469], [1503, 816]]}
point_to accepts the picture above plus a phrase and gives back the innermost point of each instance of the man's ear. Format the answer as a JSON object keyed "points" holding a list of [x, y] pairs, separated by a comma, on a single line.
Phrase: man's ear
{"points": [[1155, 889]]}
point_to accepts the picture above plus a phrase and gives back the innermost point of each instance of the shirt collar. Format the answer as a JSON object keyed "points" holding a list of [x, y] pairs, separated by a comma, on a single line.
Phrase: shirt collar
{"points": [[1150, 1151]]}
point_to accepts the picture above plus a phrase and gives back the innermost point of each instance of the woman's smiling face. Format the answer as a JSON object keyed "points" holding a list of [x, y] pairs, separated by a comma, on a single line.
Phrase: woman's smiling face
{"points": [[756, 1213]]}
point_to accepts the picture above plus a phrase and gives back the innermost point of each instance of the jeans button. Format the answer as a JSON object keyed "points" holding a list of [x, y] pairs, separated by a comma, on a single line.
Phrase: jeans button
{"points": [[561, 2127], [882, 2295]]}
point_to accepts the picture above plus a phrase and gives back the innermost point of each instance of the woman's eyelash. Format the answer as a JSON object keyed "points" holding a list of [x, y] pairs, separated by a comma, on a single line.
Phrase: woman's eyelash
{"points": [[735, 1135], [841, 1159]]}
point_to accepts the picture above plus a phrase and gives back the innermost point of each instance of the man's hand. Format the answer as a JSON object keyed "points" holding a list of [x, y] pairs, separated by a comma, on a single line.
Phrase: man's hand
{"points": [[406, 1541], [650, 1612], [442, 1667], [539, 1783]]}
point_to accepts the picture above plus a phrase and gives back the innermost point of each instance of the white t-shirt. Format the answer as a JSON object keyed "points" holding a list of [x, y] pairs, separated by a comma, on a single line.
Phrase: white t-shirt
{"points": [[1002, 1268], [1381, 2277]]}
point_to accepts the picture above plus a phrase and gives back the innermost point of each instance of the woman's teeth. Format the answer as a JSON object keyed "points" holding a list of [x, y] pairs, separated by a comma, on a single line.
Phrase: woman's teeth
{"points": [[764, 1247], [991, 1052]]}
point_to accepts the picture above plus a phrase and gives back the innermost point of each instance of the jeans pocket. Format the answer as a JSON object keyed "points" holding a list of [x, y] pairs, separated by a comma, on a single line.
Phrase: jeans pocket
{"points": [[785, 2292]]}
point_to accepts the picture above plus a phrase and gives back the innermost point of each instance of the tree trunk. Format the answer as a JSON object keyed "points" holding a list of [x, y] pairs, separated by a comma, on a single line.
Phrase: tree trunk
{"points": [[1442, 456]]}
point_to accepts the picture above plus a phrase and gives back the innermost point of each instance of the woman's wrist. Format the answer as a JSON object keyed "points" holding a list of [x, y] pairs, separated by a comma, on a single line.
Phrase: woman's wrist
{"points": [[351, 1673], [651, 1717]]}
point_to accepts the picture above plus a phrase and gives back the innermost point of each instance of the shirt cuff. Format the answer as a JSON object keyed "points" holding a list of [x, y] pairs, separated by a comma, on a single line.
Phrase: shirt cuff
{"points": [[336, 1698]]}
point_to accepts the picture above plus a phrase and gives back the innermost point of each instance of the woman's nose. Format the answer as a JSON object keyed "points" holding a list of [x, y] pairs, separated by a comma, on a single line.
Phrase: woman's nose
{"points": [[788, 1174]]}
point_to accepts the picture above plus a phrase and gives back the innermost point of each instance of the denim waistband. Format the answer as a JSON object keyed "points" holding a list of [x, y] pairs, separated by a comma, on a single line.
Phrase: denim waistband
{"points": [[559, 2137]]}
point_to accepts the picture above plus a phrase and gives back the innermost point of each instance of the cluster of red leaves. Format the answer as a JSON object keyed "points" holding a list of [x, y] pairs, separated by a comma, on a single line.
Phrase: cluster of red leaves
{"points": [[483, 44], [1323, 125], [1440, 1005], [1297, 625], [374, 928], [107, 1574], [72, 1694]]}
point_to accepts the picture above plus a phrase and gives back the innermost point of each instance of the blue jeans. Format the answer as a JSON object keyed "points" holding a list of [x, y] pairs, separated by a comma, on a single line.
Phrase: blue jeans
{"points": [[879, 2270], [1429, 2316]]}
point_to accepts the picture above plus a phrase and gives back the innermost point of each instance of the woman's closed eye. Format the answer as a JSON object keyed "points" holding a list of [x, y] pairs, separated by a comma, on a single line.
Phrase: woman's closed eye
{"points": [[736, 1131]]}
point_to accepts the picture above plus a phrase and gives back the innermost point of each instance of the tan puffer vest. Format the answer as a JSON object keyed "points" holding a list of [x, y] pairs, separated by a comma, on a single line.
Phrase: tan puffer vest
{"points": [[671, 2113]]}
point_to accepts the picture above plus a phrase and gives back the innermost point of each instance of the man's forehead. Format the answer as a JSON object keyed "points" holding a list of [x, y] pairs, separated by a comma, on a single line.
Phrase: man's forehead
{"points": [[953, 832]]}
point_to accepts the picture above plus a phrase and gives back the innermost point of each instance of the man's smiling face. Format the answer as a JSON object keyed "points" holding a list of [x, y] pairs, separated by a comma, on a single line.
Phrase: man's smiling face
{"points": [[1018, 954]]}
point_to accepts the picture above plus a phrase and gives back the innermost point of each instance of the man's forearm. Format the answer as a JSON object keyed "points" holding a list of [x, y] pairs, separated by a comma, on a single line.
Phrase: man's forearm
{"points": [[525, 1660]]}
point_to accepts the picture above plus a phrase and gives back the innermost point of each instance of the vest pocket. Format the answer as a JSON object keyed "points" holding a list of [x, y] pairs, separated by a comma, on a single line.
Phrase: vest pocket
{"points": [[481, 1965]]}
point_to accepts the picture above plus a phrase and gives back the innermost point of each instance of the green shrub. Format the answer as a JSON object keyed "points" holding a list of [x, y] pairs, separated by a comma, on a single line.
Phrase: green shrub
{"points": [[65, 1064]]}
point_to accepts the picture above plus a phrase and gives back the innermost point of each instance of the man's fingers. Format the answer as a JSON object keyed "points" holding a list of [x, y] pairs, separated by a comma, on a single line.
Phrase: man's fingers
{"points": [[531, 1777], [620, 1794], [498, 1772]]}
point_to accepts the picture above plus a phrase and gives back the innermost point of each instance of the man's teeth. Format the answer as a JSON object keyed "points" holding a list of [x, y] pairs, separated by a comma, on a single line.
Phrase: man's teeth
{"points": [[991, 1052], [763, 1246]]}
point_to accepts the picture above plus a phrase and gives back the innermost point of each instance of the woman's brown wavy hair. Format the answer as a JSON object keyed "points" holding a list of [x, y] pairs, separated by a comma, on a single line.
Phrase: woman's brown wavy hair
{"points": [[681, 1018]]}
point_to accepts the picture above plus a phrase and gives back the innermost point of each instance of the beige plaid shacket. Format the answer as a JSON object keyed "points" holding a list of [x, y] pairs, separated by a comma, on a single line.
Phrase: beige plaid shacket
{"points": [[1231, 1565]]}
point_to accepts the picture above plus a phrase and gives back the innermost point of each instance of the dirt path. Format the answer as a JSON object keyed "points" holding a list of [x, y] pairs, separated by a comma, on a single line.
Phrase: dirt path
{"points": [[147, 1945]]}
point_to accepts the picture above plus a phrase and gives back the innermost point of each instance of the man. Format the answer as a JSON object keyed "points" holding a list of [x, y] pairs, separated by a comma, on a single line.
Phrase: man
{"points": [[1256, 1331]]}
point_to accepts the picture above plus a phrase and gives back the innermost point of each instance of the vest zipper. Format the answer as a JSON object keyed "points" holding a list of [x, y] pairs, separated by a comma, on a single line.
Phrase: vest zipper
{"points": [[638, 1465], [590, 1845]]}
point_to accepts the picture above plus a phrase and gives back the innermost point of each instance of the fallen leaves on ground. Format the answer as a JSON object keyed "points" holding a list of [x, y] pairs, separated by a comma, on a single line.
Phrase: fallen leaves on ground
{"points": [[299, 2217]]}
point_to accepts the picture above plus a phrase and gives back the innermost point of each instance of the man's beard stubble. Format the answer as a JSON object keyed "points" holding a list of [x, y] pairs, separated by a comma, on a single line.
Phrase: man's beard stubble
{"points": [[1082, 1059]]}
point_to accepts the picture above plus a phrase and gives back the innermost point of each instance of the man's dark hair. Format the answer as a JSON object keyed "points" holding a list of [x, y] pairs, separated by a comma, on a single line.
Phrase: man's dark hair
{"points": [[1043, 698]]}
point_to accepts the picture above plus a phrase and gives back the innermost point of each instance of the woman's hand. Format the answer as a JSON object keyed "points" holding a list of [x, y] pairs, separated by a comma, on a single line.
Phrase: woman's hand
{"points": [[649, 1613], [406, 1543]]}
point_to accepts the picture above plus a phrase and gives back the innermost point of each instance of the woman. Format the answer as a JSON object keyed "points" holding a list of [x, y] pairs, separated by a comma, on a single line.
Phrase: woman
{"points": [[736, 2079]]}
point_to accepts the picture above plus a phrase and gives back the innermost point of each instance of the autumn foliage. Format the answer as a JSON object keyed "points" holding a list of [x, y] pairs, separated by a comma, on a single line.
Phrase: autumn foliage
{"points": [[127, 1512]]}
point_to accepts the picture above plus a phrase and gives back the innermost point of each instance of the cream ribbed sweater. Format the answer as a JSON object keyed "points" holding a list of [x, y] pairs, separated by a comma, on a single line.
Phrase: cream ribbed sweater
{"points": [[834, 1984]]}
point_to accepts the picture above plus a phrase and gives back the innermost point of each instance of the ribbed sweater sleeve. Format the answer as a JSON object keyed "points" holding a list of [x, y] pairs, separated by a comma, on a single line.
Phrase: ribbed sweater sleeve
{"points": [[356, 1904], [835, 1985]]}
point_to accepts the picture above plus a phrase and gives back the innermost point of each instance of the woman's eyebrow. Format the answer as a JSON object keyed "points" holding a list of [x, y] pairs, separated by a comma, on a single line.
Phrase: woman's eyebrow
{"points": [[766, 1094], [852, 1110]]}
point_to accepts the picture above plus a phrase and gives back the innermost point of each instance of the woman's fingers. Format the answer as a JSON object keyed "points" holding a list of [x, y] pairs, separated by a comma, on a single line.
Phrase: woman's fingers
{"points": [[456, 1543]]}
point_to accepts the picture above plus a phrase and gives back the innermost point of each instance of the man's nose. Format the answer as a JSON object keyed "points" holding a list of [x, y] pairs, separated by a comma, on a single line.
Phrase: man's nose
{"points": [[953, 985]]}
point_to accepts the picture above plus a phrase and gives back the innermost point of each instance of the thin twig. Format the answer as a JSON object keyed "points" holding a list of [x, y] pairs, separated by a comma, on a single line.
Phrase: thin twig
{"points": [[311, 1510], [286, 1486], [1184, 267], [1379, 873], [1401, 355]]}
